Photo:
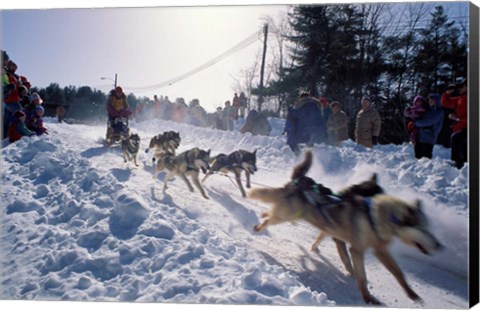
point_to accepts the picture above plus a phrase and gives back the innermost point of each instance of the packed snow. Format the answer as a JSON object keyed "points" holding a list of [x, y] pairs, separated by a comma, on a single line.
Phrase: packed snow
{"points": [[79, 224]]}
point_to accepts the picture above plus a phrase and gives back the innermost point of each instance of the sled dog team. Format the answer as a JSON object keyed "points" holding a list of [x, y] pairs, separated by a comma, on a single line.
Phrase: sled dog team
{"points": [[361, 216]]}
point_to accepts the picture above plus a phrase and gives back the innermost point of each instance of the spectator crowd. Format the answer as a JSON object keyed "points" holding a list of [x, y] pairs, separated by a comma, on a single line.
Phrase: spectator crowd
{"points": [[429, 120], [22, 111]]}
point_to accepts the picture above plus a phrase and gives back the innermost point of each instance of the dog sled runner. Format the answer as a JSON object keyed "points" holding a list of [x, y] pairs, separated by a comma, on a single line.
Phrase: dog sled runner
{"points": [[117, 129]]}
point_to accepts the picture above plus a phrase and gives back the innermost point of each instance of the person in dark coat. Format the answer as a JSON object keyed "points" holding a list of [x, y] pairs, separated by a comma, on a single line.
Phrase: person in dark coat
{"points": [[304, 123], [429, 126]]}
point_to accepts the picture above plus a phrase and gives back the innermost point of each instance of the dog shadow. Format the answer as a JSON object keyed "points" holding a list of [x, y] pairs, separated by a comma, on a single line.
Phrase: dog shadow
{"points": [[247, 218], [94, 152], [321, 275], [167, 199], [122, 175]]}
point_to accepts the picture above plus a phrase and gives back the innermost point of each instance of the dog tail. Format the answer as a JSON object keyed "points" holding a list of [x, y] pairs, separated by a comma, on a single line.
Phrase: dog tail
{"points": [[268, 195], [302, 169]]}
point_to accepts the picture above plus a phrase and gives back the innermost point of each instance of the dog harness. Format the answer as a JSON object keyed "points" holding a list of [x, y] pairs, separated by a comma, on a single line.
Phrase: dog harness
{"points": [[332, 200], [368, 205]]}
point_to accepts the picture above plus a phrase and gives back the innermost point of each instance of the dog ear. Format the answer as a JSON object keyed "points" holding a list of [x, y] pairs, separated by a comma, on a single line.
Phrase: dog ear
{"points": [[255, 152], [208, 153], [373, 178]]}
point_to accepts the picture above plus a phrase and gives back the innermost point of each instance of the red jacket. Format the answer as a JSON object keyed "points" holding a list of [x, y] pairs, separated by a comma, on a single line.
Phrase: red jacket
{"points": [[13, 96], [17, 130], [460, 106]]}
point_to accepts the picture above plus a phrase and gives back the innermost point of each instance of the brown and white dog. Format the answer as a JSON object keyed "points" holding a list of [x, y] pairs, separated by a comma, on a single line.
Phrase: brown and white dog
{"points": [[359, 222], [188, 163]]}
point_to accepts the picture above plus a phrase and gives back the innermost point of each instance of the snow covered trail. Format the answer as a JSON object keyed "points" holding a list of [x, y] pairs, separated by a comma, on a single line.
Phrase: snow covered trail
{"points": [[79, 224]]}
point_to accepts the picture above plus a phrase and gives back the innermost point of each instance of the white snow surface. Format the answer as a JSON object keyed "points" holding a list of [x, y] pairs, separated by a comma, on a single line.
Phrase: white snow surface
{"points": [[78, 224]]}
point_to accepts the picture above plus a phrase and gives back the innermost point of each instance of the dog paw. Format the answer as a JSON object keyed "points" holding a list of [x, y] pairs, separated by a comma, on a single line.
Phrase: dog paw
{"points": [[372, 300], [413, 296]]}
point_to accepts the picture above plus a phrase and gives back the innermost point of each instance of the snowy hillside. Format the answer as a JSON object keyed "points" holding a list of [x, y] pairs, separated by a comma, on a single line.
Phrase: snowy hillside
{"points": [[78, 224]]}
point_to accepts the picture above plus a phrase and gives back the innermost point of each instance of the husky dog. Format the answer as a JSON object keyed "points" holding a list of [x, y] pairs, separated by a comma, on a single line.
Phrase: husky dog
{"points": [[361, 222], [166, 142], [188, 163], [130, 147], [235, 162]]}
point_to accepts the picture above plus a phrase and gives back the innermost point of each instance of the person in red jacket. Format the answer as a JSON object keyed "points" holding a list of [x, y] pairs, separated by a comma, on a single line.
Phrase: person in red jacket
{"points": [[17, 128], [459, 138], [12, 100]]}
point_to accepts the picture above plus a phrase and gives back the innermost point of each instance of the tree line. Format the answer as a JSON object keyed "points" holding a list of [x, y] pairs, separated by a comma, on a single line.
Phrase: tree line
{"points": [[82, 103]]}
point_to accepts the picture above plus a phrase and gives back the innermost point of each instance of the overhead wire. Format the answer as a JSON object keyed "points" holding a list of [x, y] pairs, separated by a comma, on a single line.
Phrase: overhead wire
{"points": [[243, 44]]}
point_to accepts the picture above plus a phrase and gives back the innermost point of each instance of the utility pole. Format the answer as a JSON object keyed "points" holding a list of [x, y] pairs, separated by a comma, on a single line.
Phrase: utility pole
{"points": [[262, 69], [115, 80]]}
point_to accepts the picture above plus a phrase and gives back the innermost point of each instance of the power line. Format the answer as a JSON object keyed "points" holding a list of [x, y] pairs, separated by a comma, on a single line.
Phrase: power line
{"points": [[243, 44]]}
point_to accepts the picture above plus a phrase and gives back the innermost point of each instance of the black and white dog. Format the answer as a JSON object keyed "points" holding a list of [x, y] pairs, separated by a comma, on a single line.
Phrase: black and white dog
{"points": [[235, 162], [130, 148]]}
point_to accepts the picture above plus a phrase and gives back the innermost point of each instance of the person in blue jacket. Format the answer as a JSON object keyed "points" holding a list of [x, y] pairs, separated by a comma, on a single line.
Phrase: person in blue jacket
{"points": [[304, 122], [429, 126]]}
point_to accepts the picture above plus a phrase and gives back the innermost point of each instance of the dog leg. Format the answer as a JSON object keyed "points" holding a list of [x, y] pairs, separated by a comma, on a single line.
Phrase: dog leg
{"points": [[196, 181], [343, 253], [386, 259], [135, 160], [239, 183], [165, 181], [361, 277], [184, 178], [317, 241], [247, 176], [270, 221]]}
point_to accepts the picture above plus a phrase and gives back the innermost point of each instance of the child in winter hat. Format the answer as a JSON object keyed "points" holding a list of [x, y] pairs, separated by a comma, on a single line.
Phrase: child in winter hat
{"points": [[35, 123]]}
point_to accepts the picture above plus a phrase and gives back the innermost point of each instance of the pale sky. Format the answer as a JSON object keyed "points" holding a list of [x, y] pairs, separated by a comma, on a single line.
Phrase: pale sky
{"points": [[145, 45]]}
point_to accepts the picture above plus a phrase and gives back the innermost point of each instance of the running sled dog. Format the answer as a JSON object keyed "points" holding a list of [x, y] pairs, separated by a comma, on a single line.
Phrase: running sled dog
{"points": [[361, 223], [130, 147], [235, 162], [188, 163], [166, 142]]}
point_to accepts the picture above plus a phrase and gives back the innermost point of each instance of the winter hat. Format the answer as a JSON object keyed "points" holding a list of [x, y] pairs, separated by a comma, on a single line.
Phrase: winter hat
{"points": [[334, 104], [418, 98], [323, 101], [39, 109], [35, 98], [19, 114], [22, 88], [5, 56], [366, 98]]}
